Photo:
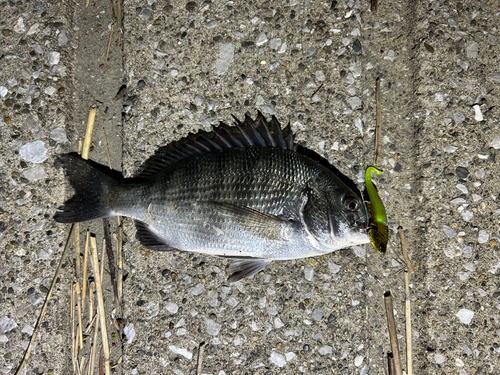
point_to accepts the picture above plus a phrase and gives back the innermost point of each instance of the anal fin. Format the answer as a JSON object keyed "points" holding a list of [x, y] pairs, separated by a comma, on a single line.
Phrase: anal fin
{"points": [[240, 268], [150, 240]]}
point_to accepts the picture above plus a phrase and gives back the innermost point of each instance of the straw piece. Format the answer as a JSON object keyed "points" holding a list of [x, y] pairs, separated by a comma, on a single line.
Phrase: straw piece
{"points": [[78, 265], [47, 299], [109, 41], [91, 300], [79, 310], [391, 364], [378, 125], [111, 259], [393, 333], [94, 345], [201, 351], [85, 270], [88, 133], [119, 263], [405, 250], [409, 345], [74, 346], [100, 303], [107, 148]]}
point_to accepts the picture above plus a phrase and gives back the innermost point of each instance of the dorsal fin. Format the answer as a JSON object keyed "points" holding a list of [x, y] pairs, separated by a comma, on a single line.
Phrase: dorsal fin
{"points": [[249, 133]]}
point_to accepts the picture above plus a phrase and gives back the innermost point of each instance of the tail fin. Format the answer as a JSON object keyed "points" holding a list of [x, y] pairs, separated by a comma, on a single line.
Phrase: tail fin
{"points": [[92, 188]]}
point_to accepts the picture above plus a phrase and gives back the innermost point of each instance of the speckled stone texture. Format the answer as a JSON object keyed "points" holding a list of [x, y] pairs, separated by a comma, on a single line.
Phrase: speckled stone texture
{"points": [[313, 64]]}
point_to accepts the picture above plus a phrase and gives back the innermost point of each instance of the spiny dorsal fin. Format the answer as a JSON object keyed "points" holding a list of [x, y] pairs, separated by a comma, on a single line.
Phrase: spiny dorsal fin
{"points": [[247, 133]]}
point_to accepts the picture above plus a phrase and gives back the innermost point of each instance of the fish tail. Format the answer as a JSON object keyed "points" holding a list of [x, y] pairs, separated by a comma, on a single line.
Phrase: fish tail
{"points": [[92, 191]]}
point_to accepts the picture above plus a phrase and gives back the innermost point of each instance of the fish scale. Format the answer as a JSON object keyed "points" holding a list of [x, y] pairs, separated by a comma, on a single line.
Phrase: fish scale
{"points": [[249, 194]]}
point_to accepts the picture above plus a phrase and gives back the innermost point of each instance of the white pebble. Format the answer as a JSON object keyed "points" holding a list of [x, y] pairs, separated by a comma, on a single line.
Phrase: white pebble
{"points": [[277, 359], [172, 307], [439, 97], [495, 143], [7, 324], [34, 152], [439, 358], [19, 25], [226, 55], [54, 58], [59, 135], [334, 268], [450, 148], [467, 215], [317, 314], [320, 75], [129, 332], [355, 102], [459, 362], [308, 273], [476, 197], [198, 289], [472, 49], [261, 39], [50, 90], [483, 236], [465, 316], [324, 350], [470, 266], [283, 48], [33, 29], [28, 329], [35, 173], [478, 116], [289, 356], [449, 231], [183, 352], [3, 91], [463, 188], [275, 43], [269, 109], [278, 323], [358, 360], [360, 251], [213, 328]]}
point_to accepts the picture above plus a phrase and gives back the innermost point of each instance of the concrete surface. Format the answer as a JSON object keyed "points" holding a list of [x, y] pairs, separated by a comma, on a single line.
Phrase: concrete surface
{"points": [[188, 65]]}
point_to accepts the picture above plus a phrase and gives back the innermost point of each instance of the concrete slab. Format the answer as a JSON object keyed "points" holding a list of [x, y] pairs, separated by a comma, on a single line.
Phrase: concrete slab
{"points": [[189, 65]]}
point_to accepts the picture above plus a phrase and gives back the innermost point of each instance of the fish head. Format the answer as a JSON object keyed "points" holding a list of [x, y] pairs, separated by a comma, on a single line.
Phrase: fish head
{"points": [[335, 217]]}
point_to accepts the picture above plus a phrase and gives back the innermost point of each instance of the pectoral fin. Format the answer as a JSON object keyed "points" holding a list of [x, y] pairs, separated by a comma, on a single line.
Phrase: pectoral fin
{"points": [[241, 268], [252, 221]]}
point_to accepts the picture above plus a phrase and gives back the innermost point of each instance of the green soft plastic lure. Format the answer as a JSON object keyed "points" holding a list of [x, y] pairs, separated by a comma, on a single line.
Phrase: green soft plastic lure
{"points": [[378, 230]]}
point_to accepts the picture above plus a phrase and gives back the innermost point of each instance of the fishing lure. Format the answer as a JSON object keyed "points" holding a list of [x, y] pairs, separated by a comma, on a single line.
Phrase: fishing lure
{"points": [[378, 230]]}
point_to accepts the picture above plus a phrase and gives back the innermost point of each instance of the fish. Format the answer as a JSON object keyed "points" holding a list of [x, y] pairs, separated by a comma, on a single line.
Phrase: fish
{"points": [[378, 230], [245, 192]]}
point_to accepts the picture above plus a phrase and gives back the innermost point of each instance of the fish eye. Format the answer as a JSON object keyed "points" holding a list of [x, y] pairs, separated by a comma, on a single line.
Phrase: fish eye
{"points": [[351, 203]]}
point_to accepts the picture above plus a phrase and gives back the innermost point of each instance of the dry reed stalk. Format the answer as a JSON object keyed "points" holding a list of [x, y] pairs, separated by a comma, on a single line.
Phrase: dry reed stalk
{"points": [[91, 300], [88, 134], [393, 333], [109, 41], [119, 263], [47, 299], [79, 311], [85, 271], [94, 345], [378, 124], [405, 250], [391, 364], [107, 148], [100, 303], [201, 351], [73, 327], [409, 345]]}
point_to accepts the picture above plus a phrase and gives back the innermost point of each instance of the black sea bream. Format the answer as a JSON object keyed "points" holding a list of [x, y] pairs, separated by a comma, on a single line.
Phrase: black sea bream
{"points": [[247, 193]]}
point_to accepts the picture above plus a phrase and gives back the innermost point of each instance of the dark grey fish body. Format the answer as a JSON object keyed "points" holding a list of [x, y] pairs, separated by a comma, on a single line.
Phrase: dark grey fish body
{"points": [[248, 202]]}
